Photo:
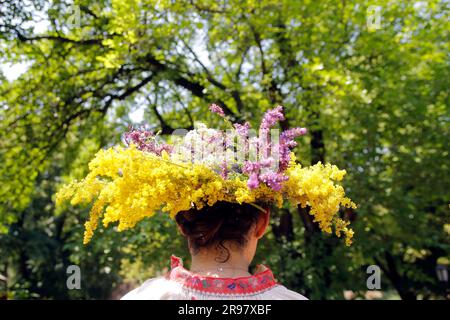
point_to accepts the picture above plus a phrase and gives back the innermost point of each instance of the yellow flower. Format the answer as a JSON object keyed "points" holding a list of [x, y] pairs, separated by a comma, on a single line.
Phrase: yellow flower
{"points": [[314, 187], [126, 185]]}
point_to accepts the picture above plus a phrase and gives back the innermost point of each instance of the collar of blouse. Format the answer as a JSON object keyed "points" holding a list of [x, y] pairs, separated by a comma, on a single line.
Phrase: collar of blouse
{"points": [[261, 280]]}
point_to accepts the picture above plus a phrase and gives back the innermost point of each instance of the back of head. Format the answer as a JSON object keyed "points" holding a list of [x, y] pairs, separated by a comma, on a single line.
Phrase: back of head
{"points": [[218, 226]]}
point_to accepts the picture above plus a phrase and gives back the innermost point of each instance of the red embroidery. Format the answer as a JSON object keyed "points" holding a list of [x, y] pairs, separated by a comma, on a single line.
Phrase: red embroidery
{"points": [[175, 262], [242, 285]]}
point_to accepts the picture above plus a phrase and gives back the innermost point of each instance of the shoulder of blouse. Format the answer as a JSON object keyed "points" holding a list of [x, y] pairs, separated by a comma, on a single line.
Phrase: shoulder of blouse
{"points": [[158, 288], [280, 292]]}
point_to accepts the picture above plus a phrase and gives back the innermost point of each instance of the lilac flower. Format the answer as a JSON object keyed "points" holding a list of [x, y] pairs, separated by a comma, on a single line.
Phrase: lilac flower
{"points": [[252, 170], [216, 109], [253, 181], [271, 117], [146, 141], [242, 132], [163, 147], [242, 129], [285, 158], [224, 170], [251, 167], [216, 137], [287, 143], [266, 162], [273, 180], [294, 132], [287, 137]]}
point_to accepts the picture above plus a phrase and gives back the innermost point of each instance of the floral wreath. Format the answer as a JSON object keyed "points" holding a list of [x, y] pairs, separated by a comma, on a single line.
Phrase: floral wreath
{"points": [[203, 166]]}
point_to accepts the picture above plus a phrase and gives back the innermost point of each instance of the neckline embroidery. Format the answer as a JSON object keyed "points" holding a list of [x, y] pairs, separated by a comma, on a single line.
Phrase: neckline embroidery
{"points": [[262, 279]]}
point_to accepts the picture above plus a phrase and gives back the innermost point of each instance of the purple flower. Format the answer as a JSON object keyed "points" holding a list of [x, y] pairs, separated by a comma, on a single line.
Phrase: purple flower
{"points": [[216, 137], [216, 109], [266, 162], [285, 158], [271, 117], [252, 170], [293, 133], [145, 141], [287, 143], [242, 129], [242, 132], [253, 181], [224, 170], [273, 180], [251, 167]]}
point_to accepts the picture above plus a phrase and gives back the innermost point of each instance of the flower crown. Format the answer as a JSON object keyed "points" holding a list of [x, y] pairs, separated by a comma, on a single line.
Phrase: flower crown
{"points": [[203, 166]]}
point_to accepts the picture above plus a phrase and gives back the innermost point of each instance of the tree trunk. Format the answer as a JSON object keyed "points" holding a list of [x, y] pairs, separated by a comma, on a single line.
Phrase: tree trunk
{"points": [[400, 283], [286, 227]]}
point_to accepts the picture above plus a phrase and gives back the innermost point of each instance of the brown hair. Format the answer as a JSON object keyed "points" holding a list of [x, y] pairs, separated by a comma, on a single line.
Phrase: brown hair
{"points": [[215, 225]]}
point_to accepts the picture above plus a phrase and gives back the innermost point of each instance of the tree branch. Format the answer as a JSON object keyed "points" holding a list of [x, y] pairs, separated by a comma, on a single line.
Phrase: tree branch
{"points": [[205, 9], [193, 86], [275, 95], [24, 38], [234, 93]]}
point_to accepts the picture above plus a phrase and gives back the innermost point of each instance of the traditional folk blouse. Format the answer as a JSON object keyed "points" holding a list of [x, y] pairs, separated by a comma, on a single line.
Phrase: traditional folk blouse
{"points": [[181, 284]]}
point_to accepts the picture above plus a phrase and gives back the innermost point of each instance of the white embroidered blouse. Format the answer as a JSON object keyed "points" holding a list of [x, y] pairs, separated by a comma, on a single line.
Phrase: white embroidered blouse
{"points": [[181, 284]]}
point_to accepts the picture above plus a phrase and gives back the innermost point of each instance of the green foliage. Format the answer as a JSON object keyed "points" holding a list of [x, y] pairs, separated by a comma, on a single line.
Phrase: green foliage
{"points": [[375, 102]]}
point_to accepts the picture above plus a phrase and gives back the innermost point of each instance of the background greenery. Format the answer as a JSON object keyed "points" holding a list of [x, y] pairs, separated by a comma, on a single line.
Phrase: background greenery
{"points": [[375, 102]]}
